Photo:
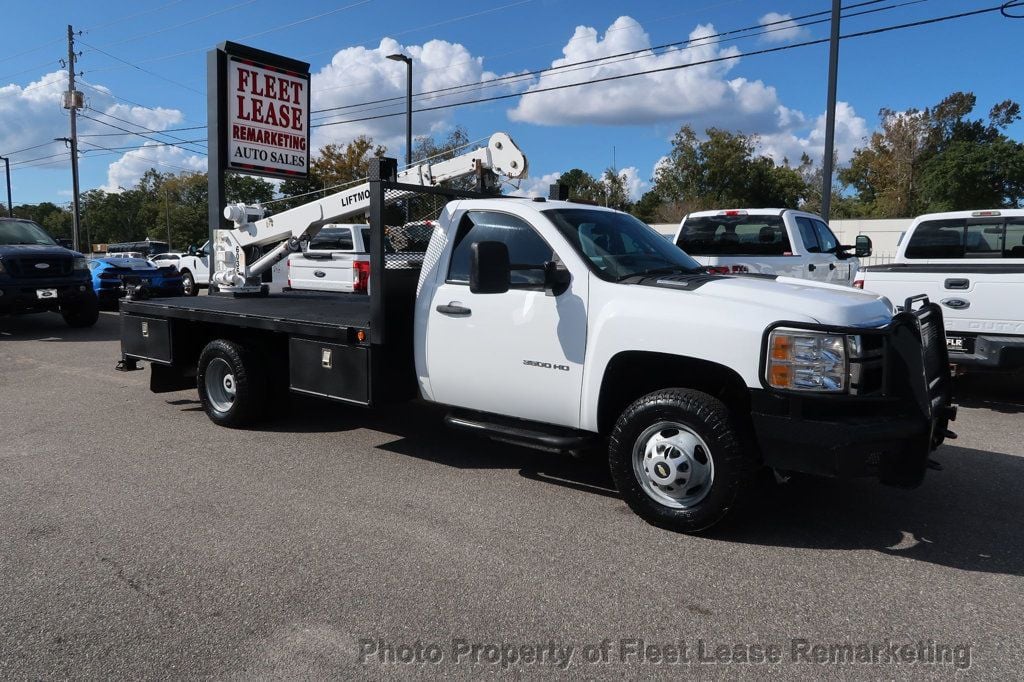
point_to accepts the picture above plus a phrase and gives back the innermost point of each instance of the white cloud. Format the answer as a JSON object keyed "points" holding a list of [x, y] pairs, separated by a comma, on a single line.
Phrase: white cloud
{"points": [[358, 74], [781, 28], [701, 95], [635, 185], [536, 187], [851, 132], [126, 171], [32, 115]]}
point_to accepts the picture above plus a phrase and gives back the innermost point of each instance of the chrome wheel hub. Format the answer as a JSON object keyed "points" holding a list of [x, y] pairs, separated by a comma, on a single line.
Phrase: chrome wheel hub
{"points": [[673, 465]]}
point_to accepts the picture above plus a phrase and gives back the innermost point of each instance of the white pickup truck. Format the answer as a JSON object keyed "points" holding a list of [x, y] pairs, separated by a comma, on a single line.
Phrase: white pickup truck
{"points": [[773, 241], [571, 328], [194, 266], [972, 263], [337, 259]]}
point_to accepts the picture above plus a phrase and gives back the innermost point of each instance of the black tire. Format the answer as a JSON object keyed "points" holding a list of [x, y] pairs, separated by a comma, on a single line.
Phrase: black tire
{"points": [[225, 362], [83, 313], [642, 428], [188, 284]]}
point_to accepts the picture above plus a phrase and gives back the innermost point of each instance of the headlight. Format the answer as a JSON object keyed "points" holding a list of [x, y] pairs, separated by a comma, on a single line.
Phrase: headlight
{"points": [[81, 264], [809, 361]]}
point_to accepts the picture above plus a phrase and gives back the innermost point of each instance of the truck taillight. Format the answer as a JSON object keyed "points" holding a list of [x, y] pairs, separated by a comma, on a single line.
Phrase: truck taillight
{"points": [[858, 283], [361, 270]]}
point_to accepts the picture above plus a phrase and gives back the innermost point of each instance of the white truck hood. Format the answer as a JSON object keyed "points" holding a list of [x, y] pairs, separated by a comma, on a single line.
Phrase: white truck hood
{"points": [[791, 298]]}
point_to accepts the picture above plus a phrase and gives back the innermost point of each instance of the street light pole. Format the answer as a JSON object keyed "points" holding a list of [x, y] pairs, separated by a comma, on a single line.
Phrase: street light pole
{"points": [[10, 206], [408, 104]]}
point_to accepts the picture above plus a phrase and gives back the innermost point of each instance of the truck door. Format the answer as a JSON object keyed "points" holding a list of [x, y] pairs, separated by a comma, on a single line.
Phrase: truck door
{"points": [[519, 353], [815, 261], [840, 270]]}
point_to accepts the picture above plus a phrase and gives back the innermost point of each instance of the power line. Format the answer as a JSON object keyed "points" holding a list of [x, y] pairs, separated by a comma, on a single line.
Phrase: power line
{"points": [[133, 16], [675, 67], [245, 37], [25, 149], [130, 132], [646, 52], [181, 25], [108, 93], [144, 70], [159, 163], [139, 125]]}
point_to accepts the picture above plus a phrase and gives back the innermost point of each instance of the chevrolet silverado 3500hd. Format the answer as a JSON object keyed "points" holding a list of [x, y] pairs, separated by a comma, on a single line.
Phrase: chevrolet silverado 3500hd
{"points": [[568, 327]]}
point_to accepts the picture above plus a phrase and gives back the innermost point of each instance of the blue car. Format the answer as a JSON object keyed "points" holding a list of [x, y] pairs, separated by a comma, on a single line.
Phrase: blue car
{"points": [[112, 276]]}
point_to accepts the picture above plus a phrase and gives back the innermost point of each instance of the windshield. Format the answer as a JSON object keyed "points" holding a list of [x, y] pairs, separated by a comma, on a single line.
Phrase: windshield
{"points": [[617, 245], [734, 235], [14, 232]]}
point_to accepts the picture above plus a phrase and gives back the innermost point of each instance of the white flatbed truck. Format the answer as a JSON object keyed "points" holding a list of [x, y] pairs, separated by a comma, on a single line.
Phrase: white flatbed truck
{"points": [[571, 328]]}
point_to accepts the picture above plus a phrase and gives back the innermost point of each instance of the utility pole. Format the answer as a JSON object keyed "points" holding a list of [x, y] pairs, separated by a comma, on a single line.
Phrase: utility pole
{"points": [[10, 206], [830, 114], [73, 101], [167, 216]]}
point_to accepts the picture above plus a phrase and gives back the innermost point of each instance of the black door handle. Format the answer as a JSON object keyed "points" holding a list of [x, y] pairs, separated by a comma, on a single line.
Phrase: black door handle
{"points": [[811, 267], [957, 283], [831, 266], [454, 310]]}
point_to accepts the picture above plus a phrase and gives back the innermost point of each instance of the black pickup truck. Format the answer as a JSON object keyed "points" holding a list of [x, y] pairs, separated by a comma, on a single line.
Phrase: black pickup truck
{"points": [[37, 275]]}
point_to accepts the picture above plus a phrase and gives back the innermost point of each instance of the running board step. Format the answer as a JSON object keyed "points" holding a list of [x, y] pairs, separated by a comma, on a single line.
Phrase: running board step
{"points": [[520, 432]]}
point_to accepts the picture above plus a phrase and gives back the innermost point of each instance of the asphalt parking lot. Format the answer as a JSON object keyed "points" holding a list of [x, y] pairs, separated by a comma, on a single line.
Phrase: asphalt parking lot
{"points": [[141, 540]]}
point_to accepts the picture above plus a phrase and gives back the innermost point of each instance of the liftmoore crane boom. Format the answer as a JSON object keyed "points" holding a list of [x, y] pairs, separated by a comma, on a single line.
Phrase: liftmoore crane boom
{"points": [[290, 231]]}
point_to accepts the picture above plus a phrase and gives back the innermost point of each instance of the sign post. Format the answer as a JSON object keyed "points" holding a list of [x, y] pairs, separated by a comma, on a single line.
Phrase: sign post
{"points": [[257, 121]]}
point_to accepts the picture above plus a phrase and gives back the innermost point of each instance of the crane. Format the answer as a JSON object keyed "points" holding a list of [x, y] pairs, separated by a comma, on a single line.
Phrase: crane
{"points": [[290, 231]]}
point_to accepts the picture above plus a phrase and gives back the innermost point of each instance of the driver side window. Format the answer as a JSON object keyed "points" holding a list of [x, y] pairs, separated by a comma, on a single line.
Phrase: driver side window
{"points": [[527, 252]]}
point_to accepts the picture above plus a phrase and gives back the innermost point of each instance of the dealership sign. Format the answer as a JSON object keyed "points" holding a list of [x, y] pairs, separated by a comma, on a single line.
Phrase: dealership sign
{"points": [[265, 106]]}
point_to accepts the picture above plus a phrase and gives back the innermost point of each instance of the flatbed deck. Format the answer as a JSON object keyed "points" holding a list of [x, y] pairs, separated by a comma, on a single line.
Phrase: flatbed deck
{"points": [[324, 314]]}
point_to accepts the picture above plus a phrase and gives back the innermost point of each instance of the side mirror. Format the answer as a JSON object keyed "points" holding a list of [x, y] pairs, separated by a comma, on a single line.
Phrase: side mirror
{"points": [[556, 279], [862, 246], [489, 271]]}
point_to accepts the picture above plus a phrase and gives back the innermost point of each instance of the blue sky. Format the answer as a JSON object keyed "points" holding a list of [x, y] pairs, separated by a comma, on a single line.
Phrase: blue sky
{"points": [[144, 67]]}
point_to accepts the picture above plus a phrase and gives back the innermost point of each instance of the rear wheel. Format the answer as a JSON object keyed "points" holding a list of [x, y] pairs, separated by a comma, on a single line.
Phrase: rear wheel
{"points": [[188, 284], [678, 460], [82, 313], [232, 384]]}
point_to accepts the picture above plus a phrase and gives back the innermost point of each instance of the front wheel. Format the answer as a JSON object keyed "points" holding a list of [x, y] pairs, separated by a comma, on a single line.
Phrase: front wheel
{"points": [[188, 284], [232, 384], [82, 313], [678, 460]]}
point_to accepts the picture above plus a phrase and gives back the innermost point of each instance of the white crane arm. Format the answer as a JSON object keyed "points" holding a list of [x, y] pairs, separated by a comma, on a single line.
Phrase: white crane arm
{"points": [[296, 225]]}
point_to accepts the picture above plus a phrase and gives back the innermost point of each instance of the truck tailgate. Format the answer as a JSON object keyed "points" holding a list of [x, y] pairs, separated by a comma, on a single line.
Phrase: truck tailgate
{"points": [[979, 299], [321, 274]]}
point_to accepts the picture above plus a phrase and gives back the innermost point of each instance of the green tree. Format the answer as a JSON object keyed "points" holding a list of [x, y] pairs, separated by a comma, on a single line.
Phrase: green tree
{"points": [[333, 166], [247, 189], [582, 186], [939, 159], [723, 171], [616, 193]]}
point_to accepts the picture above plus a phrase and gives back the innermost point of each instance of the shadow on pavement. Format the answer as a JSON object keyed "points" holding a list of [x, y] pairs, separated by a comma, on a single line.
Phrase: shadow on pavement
{"points": [[51, 327], [965, 516], [1000, 392]]}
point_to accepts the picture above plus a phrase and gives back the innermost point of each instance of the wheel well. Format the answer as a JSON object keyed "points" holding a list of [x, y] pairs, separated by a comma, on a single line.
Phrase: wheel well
{"points": [[189, 340], [633, 374]]}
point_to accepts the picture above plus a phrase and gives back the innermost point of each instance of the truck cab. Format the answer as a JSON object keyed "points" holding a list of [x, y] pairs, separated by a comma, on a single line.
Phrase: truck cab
{"points": [[194, 267], [769, 241]]}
